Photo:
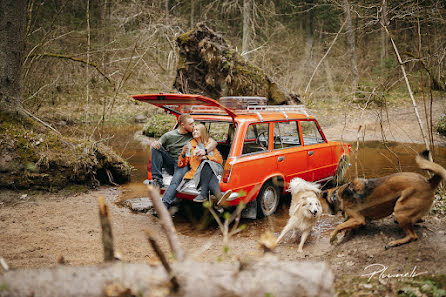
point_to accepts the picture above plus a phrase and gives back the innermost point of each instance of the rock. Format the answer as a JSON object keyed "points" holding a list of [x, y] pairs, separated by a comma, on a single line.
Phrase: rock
{"points": [[140, 118], [139, 204]]}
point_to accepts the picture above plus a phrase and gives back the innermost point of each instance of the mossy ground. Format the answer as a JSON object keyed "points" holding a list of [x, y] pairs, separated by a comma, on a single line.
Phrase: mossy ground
{"points": [[34, 157], [429, 286]]}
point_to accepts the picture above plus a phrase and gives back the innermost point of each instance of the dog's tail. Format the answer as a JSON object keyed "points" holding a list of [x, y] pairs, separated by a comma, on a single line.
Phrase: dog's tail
{"points": [[298, 185], [439, 172]]}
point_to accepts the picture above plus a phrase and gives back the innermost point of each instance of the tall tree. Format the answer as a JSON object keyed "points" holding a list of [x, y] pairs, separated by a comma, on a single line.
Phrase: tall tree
{"points": [[351, 40], [12, 48], [247, 7]]}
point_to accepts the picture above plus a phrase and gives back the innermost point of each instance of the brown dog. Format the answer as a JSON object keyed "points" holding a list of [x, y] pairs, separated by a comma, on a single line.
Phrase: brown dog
{"points": [[408, 195]]}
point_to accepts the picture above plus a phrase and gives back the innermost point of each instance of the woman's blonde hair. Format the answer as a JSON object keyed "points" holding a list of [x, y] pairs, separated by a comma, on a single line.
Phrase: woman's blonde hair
{"points": [[203, 133]]}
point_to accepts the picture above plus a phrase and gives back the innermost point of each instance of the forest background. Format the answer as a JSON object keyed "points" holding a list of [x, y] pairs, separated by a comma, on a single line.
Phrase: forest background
{"points": [[85, 57]]}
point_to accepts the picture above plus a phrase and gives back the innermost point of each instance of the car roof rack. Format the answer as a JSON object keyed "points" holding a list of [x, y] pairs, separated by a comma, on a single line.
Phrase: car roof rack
{"points": [[279, 108]]}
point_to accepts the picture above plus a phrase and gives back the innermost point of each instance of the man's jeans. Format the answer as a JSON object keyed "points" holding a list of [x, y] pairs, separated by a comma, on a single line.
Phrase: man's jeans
{"points": [[162, 159]]}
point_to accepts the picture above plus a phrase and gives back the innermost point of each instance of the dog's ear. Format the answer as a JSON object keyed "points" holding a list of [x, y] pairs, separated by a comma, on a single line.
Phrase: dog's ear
{"points": [[324, 195]]}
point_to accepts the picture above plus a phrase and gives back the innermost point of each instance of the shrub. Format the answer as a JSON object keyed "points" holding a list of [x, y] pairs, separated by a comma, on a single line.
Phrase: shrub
{"points": [[159, 124]]}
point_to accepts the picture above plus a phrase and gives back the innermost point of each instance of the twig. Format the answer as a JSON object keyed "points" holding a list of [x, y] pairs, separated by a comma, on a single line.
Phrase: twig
{"points": [[107, 236], [54, 55], [42, 122], [166, 223], [162, 257], [110, 177]]}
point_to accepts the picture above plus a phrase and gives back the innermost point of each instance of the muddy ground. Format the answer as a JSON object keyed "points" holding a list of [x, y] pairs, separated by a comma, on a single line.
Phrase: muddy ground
{"points": [[38, 228]]}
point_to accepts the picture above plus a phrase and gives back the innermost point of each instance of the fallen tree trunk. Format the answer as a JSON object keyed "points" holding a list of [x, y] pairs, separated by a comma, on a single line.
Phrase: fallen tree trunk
{"points": [[209, 66], [264, 278]]}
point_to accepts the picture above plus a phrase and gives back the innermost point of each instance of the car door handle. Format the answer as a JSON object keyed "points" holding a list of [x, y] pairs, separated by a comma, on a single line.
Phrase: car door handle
{"points": [[281, 158], [310, 153]]}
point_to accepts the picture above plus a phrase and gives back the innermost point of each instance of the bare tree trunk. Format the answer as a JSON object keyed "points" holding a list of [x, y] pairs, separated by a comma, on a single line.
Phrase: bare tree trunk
{"points": [[398, 57], [309, 39], [167, 10], [246, 23], [383, 34], [192, 12], [87, 69], [105, 29], [12, 48], [329, 76], [351, 46]]}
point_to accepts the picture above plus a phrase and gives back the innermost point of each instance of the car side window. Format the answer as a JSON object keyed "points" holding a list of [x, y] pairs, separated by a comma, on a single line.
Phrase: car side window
{"points": [[219, 131], [310, 133], [256, 139], [286, 134]]}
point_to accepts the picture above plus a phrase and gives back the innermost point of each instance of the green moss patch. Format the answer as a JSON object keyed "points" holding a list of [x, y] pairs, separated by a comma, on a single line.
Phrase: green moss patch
{"points": [[432, 286], [159, 124]]}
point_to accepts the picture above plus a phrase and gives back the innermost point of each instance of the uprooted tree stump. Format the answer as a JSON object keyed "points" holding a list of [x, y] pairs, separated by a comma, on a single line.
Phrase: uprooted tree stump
{"points": [[35, 157], [209, 66]]}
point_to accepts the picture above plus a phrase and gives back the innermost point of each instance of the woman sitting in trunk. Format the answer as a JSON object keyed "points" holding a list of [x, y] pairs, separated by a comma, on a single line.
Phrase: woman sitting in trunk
{"points": [[205, 169]]}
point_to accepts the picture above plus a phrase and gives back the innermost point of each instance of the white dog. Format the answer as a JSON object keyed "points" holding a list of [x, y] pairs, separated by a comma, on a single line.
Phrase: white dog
{"points": [[305, 209]]}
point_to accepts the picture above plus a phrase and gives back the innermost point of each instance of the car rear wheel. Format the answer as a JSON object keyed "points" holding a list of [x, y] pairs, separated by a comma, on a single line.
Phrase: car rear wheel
{"points": [[267, 200], [339, 177]]}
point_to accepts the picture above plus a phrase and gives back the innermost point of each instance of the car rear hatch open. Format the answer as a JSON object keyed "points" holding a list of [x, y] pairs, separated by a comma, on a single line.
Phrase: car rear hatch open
{"points": [[185, 103]]}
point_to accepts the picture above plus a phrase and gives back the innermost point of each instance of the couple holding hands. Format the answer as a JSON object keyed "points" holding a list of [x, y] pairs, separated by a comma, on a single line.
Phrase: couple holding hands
{"points": [[188, 153]]}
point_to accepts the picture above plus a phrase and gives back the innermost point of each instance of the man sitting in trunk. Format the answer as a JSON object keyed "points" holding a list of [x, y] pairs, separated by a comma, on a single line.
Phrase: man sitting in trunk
{"points": [[165, 153]]}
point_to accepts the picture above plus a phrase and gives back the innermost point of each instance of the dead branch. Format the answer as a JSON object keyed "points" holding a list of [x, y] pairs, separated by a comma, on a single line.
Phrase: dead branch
{"points": [[263, 278], [107, 236], [72, 58], [166, 223], [162, 257], [42, 122]]}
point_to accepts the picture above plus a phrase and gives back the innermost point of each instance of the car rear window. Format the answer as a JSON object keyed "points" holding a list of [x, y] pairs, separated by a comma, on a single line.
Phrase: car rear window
{"points": [[310, 133], [286, 134]]}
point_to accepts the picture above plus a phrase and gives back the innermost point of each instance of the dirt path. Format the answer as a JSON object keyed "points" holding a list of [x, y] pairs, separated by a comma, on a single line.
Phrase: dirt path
{"points": [[36, 229]]}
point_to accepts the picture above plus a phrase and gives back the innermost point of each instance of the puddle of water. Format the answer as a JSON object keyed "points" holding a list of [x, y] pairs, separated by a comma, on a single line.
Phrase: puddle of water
{"points": [[373, 159]]}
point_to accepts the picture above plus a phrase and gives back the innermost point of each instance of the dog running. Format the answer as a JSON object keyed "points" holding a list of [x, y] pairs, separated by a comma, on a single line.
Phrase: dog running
{"points": [[408, 195], [305, 209]]}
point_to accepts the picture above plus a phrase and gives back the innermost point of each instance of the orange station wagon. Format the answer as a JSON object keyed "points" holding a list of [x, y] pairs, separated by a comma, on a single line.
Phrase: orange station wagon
{"points": [[263, 146]]}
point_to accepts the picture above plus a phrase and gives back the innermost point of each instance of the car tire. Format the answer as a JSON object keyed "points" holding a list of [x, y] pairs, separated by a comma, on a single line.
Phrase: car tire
{"points": [[267, 200], [339, 176]]}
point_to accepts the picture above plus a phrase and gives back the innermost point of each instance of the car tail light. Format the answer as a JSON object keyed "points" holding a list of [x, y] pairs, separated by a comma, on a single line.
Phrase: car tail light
{"points": [[149, 168], [227, 171]]}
